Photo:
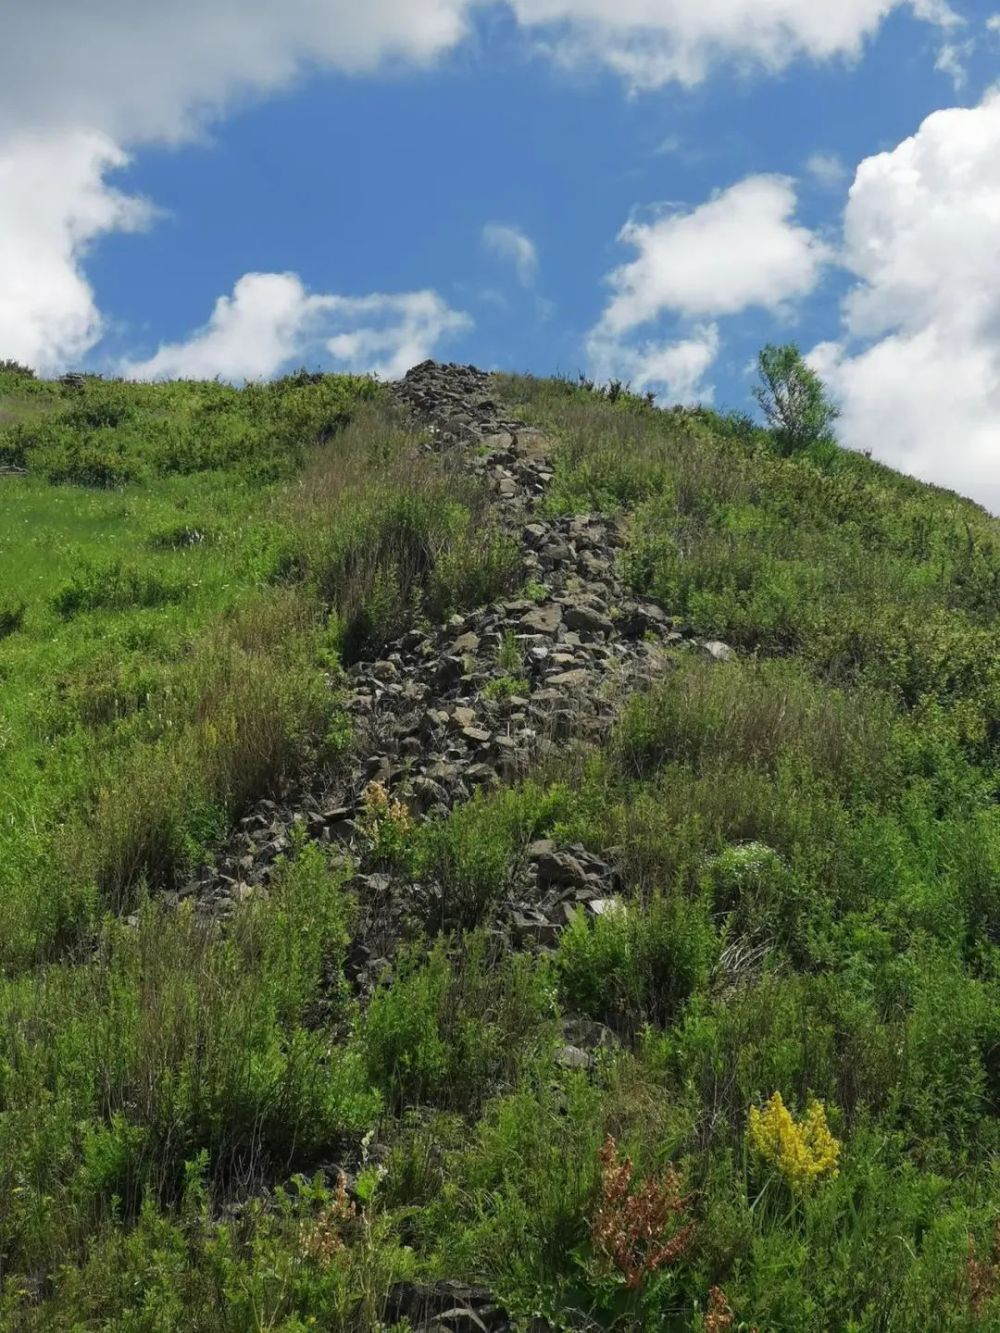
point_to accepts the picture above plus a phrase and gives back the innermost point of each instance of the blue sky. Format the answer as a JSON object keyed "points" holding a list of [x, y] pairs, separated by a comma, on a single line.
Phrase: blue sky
{"points": [[643, 188]]}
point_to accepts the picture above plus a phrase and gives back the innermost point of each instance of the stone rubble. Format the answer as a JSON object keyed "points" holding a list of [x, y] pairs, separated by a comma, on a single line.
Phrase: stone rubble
{"points": [[471, 704], [477, 701]]}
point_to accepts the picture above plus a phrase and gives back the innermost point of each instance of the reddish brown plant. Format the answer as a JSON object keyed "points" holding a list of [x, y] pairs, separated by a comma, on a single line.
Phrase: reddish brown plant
{"points": [[982, 1276], [631, 1229], [719, 1316]]}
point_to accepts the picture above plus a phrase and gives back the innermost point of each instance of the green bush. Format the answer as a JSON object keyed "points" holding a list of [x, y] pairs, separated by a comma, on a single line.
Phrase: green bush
{"points": [[634, 965], [114, 587], [793, 400], [11, 616], [472, 853], [454, 1027]]}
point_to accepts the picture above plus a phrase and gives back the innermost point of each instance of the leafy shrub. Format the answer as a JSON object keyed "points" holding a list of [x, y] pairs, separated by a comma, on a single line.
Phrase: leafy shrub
{"points": [[792, 398], [11, 616], [752, 887], [8, 366], [504, 687], [114, 587], [472, 853], [630, 966], [452, 1030]]}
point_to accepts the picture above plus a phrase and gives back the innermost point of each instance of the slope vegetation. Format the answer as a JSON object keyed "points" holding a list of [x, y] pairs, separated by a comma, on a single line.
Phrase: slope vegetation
{"points": [[467, 874]]}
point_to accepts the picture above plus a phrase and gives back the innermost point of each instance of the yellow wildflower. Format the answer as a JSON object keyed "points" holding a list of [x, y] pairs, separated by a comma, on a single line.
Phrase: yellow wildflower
{"points": [[802, 1152]]}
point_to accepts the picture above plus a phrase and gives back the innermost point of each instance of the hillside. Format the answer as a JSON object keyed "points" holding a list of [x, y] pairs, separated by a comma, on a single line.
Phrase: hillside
{"points": [[485, 853]]}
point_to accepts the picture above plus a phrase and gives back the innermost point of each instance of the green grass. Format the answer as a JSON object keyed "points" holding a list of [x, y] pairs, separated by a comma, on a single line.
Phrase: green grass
{"points": [[808, 841]]}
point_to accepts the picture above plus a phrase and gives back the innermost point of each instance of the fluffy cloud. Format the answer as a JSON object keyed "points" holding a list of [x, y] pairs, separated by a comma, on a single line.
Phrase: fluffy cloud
{"points": [[88, 79], [512, 245], [54, 202], [116, 74], [672, 370], [389, 334], [141, 70], [740, 249], [653, 42], [271, 321], [918, 371]]}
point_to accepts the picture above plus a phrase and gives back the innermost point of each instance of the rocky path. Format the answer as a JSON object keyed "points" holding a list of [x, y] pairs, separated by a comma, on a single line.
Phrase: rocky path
{"points": [[472, 704], [479, 700]]}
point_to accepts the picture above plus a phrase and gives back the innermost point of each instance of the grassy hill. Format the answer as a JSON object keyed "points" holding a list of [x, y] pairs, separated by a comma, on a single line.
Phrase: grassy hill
{"points": [[806, 843]]}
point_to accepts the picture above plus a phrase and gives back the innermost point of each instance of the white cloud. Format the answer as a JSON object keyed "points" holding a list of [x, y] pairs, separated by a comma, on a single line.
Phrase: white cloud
{"points": [[271, 321], [79, 81], [950, 61], [672, 370], [654, 42], [827, 169], [918, 371], [395, 332], [514, 247], [123, 73], [142, 70], [54, 202], [740, 249]]}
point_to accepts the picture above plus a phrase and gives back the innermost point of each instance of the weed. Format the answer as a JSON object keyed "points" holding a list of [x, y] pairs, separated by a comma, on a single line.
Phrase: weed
{"points": [[629, 1227], [11, 616]]}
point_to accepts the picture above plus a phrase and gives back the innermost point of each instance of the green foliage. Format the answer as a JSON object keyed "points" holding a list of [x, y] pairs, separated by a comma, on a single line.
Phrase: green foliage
{"points": [[505, 687], [634, 965], [792, 398], [11, 616], [806, 844], [472, 853], [113, 587], [454, 1026]]}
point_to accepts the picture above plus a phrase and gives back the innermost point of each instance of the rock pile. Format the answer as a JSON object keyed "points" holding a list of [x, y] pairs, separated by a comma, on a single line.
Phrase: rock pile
{"points": [[470, 704], [476, 701]]}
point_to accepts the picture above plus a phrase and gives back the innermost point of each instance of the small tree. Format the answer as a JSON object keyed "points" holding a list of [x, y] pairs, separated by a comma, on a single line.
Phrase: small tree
{"points": [[792, 398]]}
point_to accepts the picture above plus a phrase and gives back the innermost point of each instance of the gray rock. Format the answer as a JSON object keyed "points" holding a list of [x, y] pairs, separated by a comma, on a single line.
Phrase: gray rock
{"points": [[587, 619], [541, 847], [542, 619], [718, 650], [572, 1057], [559, 868], [570, 680]]}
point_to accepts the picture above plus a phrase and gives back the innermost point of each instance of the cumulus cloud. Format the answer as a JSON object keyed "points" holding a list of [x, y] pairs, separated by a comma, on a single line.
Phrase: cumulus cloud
{"points": [[918, 368], [740, 249], [123, 73], [141, 70], [54, 203], [389, 334], [514, 247], [80, 83], [673, 370], [654, 42], [271, 321]]}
